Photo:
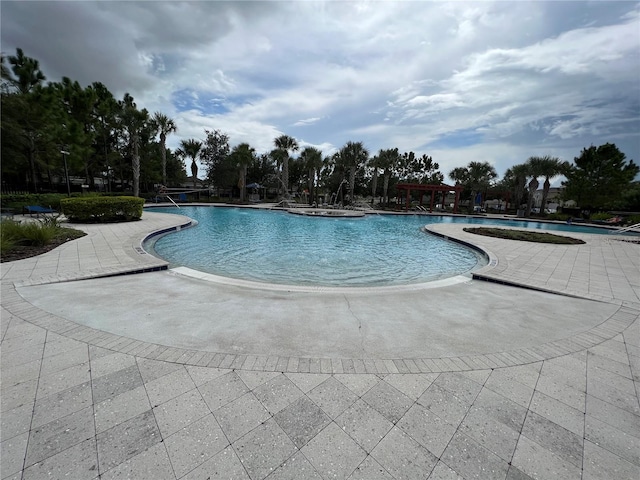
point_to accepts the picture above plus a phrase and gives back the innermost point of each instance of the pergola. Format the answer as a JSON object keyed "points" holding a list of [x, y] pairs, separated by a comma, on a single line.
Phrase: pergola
{"points": [[408, 187]]}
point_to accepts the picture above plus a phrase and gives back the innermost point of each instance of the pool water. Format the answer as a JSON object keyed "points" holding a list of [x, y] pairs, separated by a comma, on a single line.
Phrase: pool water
{"points": [[277, 247]]}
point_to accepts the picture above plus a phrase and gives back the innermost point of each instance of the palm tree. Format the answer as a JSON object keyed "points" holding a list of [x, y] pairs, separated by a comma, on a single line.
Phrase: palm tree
{"points": [[388, 160], [164, 125], [191, 148], [134, 121], [374, 164], [550, 167], [534, 170], [459, 175], [324, 175], [476, 176], [285, 143], [313, 163], [482, 175], [354, 155], [242, 155], [517, 176]]}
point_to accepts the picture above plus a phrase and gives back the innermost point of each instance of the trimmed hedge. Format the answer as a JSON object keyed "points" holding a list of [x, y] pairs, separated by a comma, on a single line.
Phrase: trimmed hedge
{"points": [[563, 217], [632, 220], [18, 201], [102, 209]]}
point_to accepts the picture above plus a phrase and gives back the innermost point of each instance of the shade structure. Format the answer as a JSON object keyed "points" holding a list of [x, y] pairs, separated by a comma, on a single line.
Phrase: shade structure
{"points": [[422, 188]]}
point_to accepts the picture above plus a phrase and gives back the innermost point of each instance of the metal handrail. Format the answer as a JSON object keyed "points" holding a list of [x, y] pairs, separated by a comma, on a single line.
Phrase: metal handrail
{"points": [[627, 229], [171, 200]]}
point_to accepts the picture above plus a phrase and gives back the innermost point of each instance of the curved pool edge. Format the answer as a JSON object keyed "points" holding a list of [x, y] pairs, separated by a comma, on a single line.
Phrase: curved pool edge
{"points": [[479, 272], [276, 287], [492, 258], [19, 306], [482, 273], [242, 283], [608, 326]]}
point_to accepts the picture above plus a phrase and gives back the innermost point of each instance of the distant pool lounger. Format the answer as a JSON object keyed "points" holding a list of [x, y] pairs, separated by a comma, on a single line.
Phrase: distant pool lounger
{"points": [[38, 210]]}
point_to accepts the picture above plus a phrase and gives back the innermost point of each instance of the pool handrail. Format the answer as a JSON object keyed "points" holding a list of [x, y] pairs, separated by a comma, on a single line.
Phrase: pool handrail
{"points": [[171, 200], [628, 228]]}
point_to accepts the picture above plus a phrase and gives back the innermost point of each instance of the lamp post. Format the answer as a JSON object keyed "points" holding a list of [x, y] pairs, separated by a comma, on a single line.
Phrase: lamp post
{"points": [[66, 170]]}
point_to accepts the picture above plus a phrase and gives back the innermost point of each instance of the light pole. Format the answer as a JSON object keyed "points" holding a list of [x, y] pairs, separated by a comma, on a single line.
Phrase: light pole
{"points": [[66, 170]]}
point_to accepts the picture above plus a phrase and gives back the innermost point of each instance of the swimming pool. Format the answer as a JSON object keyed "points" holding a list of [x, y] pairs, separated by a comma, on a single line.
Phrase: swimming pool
{"points": [[280, 248], [277, 247]]}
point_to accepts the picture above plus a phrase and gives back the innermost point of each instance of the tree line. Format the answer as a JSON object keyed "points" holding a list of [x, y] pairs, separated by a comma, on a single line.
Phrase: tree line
{"points": [[51, 130]]}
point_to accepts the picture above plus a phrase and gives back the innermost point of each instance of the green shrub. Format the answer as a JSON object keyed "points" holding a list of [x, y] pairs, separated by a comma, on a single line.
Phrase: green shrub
{"points": [[6, 243], [563, 217], [34, 234], [9, 234], [26, 239], [50, 221], [102, 209], [632, 220], [600, 216], [17, 202]]}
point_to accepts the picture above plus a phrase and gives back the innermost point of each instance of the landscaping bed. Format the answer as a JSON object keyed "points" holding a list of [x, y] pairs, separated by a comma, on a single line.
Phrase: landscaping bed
{"points": [[17, 243], [525, 236]]}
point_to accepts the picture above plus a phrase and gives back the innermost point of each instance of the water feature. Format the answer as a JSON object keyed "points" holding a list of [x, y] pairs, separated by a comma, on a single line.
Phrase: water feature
{"points": [[337, 194]]}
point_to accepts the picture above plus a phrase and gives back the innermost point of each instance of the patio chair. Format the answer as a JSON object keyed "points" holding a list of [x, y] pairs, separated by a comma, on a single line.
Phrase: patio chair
{"points": [[37, 210], [610, 221]]}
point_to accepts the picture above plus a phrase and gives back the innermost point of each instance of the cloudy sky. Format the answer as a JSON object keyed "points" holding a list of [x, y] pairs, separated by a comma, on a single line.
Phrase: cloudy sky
{"points": [[484, 81]]}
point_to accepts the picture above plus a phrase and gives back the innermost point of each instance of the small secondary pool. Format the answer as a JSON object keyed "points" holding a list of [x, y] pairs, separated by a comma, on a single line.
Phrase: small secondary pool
{"points": [[281, 248]]}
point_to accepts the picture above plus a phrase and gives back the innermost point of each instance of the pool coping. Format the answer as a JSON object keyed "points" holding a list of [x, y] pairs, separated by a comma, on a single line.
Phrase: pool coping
{"points": [[625, 315], [238, 282], [499, 217], [616, 323]]}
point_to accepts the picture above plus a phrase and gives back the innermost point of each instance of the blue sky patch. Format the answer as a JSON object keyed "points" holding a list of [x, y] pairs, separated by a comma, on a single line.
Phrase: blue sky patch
{"points": [[205, 102], [457, 139]]}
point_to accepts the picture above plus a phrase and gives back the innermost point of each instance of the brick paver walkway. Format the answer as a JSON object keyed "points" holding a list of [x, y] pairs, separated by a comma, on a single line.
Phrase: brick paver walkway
{"points": [[80, 403]]}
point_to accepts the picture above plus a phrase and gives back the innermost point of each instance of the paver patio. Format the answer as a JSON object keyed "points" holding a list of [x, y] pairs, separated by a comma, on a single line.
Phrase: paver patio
{"points": [[79, 401]]}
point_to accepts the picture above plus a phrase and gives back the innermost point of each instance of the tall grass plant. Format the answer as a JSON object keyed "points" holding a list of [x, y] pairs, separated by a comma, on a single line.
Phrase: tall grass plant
{"points": [[36, 234]]}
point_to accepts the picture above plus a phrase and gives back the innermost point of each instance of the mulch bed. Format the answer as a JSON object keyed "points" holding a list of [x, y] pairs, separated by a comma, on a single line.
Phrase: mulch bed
{"points": [[25, 251], [525, 236]]}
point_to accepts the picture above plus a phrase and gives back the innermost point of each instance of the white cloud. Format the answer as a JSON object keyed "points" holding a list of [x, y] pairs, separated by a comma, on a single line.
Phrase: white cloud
{"points": [[494, 81], [306, 121]]}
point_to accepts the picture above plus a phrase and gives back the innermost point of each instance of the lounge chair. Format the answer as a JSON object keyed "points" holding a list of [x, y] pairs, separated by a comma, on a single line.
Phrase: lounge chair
{"points": [[37, 210], [610, 221]]}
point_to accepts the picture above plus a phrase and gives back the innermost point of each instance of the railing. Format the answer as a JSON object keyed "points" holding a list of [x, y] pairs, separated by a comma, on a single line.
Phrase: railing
{"points": [[171, 200], [635, 226]]}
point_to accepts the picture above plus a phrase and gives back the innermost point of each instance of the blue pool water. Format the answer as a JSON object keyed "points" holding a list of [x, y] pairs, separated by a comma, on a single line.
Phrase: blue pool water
{"points": [[277, 247]]}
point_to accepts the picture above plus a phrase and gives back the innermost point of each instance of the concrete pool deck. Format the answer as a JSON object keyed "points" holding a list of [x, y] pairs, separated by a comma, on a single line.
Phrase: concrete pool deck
{"points": [[161, 375]]}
